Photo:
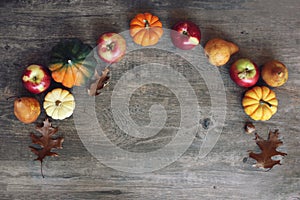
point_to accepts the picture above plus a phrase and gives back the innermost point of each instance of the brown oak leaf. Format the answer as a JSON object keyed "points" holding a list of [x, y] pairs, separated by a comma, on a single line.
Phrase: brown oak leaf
{"points": [[98, 82], [45, 142], [268, 150]]}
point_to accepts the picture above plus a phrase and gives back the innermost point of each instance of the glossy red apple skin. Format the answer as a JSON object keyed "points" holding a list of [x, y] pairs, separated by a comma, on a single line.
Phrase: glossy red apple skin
{"points": [[111, 47], [244, 72], [36, 79], [185, 35]]}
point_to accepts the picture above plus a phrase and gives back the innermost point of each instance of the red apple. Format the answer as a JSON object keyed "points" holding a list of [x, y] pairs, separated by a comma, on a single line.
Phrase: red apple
{"points": [[185, 35], [36, 79], [111, 47], [244, 72]]}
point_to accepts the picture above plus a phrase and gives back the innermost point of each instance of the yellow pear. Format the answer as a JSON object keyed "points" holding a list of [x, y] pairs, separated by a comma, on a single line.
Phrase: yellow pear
{"points": [[219, 51], [274, 73]]}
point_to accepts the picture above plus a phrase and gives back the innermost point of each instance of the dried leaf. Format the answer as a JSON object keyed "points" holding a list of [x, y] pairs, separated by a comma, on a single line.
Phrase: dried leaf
{"points": [[46, 142], [99, 82], [268, 150]]}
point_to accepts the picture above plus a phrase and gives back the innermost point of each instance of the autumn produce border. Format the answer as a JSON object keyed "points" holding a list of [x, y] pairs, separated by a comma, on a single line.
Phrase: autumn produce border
{"points": [[69, 67]]}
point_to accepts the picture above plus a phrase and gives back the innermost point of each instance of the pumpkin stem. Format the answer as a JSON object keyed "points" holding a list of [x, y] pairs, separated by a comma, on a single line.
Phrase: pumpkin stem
{"points": [[265, 102], [57, 102], [147, 24]]}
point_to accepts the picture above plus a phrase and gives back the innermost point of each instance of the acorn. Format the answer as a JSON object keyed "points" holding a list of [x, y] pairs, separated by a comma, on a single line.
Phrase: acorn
{"points": [[249, 128]]}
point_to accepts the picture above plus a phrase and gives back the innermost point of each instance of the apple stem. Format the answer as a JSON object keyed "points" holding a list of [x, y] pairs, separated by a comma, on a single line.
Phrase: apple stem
{"points": [[110, 46], [243, 74], [185, 33], [265, 102]]}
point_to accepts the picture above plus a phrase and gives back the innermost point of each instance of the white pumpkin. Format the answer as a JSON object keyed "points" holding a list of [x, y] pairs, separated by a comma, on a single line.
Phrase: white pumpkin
{"points": [[59, 104]]}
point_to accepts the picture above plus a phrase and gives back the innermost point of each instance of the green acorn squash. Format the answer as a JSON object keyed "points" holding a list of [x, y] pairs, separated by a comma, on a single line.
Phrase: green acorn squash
{"points": [[71, 63]]}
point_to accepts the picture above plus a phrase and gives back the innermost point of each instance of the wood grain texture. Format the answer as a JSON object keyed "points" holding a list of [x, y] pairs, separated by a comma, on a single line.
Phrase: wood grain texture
{"points": [[263, 30]]}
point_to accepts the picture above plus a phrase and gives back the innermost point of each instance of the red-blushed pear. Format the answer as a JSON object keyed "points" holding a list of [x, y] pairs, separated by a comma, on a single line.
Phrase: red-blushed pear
{"points": [[27, 109]]}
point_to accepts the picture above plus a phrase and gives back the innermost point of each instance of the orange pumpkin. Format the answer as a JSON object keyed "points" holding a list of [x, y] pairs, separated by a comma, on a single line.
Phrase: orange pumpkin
{"points": [[71, 63], [260, 103], [146, 29]]}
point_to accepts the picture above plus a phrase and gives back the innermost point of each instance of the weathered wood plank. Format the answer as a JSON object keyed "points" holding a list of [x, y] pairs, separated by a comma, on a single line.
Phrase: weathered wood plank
{"points": [[262, 29]]}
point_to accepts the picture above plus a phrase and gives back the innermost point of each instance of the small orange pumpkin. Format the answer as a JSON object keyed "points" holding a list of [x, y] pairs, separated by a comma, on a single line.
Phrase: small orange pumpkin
{"points": [[146, 29], [59, 104], [260, 103]]}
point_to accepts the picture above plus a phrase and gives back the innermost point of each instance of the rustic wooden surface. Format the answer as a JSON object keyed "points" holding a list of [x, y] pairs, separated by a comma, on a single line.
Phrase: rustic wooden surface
{"points": [[263, 30]]}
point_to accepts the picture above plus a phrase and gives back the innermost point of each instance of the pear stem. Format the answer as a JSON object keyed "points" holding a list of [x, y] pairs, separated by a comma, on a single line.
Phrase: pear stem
{"points": [[15, 96]]}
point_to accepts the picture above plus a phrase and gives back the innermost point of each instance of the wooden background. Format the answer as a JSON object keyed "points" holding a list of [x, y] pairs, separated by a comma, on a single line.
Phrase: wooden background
{"points": [[263, 30]]}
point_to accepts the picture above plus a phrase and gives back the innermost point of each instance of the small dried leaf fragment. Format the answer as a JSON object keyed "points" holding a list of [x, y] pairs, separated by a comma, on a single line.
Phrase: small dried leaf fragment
{"points": [[46, 141], [268, 150], [98, 82]]}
